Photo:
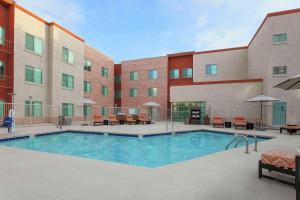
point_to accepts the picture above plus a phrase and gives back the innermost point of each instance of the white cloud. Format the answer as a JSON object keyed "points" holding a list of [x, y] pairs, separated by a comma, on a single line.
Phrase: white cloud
{"points": [[67, 13]]}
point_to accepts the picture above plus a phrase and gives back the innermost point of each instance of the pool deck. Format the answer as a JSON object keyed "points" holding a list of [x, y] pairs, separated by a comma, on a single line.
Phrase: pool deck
{"points": [[232, 174]]}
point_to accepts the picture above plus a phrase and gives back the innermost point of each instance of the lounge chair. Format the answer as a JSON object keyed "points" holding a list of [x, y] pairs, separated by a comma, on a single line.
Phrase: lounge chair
{"points": [[144, 119], [218, 121], [290, 128], [240, 122], [98, 120], [129, 119], [281, 162], [112, 119]]}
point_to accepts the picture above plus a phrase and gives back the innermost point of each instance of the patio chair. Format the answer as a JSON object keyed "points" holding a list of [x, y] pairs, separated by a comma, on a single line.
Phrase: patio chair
{"points": [[282, 162], [240, 122], [98, 120], [218, 121], [112, 119], [144, 119], [129, 119], [291, 129]]}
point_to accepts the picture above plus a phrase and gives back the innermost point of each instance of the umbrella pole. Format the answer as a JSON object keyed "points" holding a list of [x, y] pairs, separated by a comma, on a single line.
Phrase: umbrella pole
{"points": [[261, 114]]}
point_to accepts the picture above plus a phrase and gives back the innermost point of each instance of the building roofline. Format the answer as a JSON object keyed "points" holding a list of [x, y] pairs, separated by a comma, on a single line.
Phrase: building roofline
{"points": [[222, 50], [273, 14], [181, 54], [48, 23]]}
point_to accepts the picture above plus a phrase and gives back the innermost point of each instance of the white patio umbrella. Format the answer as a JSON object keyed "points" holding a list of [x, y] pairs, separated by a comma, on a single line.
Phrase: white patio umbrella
{"points": [[262, 99], [290, 84], [151, 104]]}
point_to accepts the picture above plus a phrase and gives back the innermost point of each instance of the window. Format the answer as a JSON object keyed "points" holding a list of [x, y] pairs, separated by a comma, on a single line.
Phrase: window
{"points": [[67, 81], [134, 76], [174, 73], [104, 111], [1, 109], [87, 110], [279, 38], [118, 79], [152, 92], [211, 69], [188, 73], [118, 94], [152, 74], [87, 86], [34, 109], [2, 35], [133, 92], [33, 75], [104, 72], [104, 91], [87, 65], [68, 109], [280, 70], [68, 55], [2, 69], [33, 44]]}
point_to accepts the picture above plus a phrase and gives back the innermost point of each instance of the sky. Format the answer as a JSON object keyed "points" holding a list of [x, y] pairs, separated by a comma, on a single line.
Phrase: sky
{"points": [[131, 29]]}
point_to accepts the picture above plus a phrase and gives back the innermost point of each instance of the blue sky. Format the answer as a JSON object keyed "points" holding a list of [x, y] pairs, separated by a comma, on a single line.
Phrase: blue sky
{"points": [[130, 29]]}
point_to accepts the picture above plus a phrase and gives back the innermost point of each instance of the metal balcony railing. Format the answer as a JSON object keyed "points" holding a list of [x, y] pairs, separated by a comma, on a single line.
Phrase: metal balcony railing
{"points": [[6, 81], [6, 46]]}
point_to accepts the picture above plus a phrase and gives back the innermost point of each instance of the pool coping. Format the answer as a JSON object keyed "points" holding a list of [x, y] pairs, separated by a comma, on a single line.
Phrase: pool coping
{"points": [[16, 137]]}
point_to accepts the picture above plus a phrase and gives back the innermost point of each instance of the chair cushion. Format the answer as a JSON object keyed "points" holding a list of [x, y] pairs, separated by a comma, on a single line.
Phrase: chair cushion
{"points": [[279, 158]]}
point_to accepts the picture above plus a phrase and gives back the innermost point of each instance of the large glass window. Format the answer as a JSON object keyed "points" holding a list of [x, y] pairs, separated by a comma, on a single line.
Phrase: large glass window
{"points": [[134, 76], [87, 86], [279, 38], [104, 72], [133, 92], [33, 44], [118, 79], [174, 73], [104, 91], [152, 74], [1, 109], [211, 69], [118, 94], [67, 81], [33, 75], [280, 70], [87, 110], [68, 55], [68, 109], [104, 111], [87, 65], [188, 73], [182, 110], [152, 92], [2, 69], [35, 107], [2, 35]]}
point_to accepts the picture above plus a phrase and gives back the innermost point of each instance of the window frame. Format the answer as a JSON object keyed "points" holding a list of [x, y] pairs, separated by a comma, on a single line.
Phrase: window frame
{"points": [[86, 66], [279, 68], [34, 48], [276, 38], [34, 70], [86, 88], [133, 77], [118, 80], [185, 72], [2, 65], [150, 74], [67, 83], [172, 73], [208, 70], [104, 72], [104, 90], [2, 35], [116, 94], [2, 108], [68, 105], [68, 51], [132, 93], [151, 91]]}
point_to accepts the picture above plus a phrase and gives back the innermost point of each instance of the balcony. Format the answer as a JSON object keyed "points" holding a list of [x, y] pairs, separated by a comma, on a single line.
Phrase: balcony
{"points": [[6, 81], [6, 46]]}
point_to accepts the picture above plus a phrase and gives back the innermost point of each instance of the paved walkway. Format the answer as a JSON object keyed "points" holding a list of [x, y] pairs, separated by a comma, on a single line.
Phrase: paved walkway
{"points": [[232, 174]]}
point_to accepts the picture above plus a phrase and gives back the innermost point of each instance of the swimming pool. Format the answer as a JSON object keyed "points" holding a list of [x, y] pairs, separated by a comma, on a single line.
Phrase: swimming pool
{"points": [[151, 151]]}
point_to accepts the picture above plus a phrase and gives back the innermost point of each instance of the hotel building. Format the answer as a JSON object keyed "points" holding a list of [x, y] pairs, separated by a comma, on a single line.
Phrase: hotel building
{"points": [[51, 70]]}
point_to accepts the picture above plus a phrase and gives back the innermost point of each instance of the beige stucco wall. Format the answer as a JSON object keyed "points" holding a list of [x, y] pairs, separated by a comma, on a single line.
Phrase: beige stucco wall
{"points": [[27, 24], [231, 65], [226, 100], [263, 56]]}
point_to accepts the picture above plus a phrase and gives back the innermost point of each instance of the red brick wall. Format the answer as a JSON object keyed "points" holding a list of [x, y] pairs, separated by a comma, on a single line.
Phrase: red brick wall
{"points": [[7, 21], [118, 86], [142, 66], [99, 60]]}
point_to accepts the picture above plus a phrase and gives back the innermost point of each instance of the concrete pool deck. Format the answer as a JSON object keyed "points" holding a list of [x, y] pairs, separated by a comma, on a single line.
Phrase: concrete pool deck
{"points": [[232, 174]]}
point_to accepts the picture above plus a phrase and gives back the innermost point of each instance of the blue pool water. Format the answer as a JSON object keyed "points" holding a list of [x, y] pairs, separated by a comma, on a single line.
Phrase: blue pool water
{"points": [[151, 151]]}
